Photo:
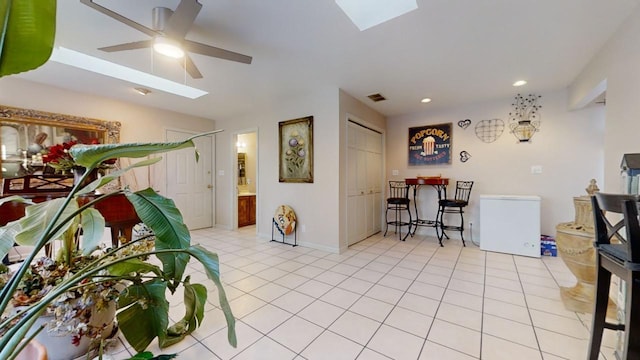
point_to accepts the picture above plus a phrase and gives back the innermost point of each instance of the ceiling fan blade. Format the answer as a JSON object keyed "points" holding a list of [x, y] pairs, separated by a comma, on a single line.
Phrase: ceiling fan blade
{"points": [[128, 46], [207, 50], [182, 19], [191, 67], [120, 18]]}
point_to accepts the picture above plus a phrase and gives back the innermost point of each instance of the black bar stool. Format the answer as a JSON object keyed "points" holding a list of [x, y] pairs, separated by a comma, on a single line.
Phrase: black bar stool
{"points": [[398, 201], [621, 258], [454, 206]]}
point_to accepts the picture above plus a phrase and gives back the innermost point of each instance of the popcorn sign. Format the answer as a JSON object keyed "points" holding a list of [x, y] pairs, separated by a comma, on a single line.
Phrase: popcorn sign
{"points": [[429, 145]]}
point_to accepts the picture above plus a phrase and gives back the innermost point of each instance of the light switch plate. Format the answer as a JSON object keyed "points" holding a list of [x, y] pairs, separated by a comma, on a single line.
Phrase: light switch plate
{"points": [[536, 169], [395, 172]]}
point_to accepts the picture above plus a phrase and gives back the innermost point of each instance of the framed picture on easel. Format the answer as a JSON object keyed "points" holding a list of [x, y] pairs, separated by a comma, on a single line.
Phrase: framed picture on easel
{"points": [[296, 150]]}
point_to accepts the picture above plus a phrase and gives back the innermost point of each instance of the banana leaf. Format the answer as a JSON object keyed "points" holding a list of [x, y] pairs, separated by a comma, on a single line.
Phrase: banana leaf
{"points": [[145, 313], [164, 218], [7, 235], [92, 230], [27, 31], [91, 156], [195, 298], [39, 216], [212, 267]]}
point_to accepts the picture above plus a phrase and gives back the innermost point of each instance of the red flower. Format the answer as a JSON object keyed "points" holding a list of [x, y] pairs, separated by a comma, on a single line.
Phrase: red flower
{"points": [[59, 152]]}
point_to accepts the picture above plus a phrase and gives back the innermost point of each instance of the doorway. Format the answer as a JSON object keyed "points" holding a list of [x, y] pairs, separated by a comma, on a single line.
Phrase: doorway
{"points": [[190, 182], [246, 178]]}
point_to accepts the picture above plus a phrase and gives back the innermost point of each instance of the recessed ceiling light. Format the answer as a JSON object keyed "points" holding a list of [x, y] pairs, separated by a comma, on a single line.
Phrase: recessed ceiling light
{"points": [[425, 100], [142, 91], [86, 62], [520, 83]]}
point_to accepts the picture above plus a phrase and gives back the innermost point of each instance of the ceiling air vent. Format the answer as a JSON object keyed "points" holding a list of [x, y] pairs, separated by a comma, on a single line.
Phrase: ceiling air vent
{"points": [[377, 97]]}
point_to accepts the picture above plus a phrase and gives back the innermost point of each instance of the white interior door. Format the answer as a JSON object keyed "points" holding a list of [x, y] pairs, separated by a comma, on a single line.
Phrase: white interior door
{"points": [[190, 183], [364, 179]]}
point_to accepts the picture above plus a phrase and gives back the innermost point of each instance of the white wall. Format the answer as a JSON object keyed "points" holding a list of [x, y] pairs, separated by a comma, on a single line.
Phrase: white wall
{"points": [[139, 124], [618, 63], [321, 206], [314, 203], [568, 147], [317, 204]]}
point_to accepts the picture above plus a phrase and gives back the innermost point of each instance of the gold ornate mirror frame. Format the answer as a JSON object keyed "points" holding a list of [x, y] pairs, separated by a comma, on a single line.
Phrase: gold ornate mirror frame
{"points": [[28, 124]]}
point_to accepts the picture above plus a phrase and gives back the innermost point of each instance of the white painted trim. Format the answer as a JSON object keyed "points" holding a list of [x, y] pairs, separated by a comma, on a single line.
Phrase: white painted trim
{"points": [[222, 226], [99, 66], [357, 120], [591, 95]]}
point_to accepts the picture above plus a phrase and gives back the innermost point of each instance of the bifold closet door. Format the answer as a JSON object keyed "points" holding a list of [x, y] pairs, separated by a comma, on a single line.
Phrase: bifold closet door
{"points": [[364, 179]]}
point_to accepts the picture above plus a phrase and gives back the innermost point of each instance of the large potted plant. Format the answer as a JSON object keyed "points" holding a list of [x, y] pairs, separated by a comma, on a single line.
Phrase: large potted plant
{"points": [[142, 306]]}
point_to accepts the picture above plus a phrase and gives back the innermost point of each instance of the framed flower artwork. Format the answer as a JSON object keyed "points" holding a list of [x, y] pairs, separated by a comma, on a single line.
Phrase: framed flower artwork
{"points": [[296, 150]]}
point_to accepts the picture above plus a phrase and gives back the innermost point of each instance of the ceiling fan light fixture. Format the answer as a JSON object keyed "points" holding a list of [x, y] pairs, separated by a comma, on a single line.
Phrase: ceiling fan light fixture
{"points": [[168, 47]]}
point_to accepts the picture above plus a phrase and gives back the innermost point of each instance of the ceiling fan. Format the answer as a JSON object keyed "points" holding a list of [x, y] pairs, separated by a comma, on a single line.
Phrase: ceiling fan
{"points": [[169, 28]]}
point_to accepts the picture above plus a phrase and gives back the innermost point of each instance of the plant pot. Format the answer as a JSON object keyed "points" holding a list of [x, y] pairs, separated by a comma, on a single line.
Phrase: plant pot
{"points": [[33, 351], [61, 345], [575, 247]]}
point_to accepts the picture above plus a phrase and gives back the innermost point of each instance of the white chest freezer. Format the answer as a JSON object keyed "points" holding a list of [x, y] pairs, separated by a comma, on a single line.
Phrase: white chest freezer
{"points": [[510, 224]]}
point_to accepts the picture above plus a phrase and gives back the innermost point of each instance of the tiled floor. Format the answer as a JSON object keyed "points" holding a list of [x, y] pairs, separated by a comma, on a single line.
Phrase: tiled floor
{"points": [[384, 299]]}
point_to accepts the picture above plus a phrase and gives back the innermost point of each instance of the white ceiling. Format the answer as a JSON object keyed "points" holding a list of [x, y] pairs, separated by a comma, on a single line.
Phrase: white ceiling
{"points": [[454, 51]]}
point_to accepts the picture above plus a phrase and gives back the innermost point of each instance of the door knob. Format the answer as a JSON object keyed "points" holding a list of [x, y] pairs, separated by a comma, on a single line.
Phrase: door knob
{"points": [[209, 186]]}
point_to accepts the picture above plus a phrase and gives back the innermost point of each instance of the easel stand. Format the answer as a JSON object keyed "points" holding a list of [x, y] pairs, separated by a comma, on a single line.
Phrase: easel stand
{"points": [[274, 225]]}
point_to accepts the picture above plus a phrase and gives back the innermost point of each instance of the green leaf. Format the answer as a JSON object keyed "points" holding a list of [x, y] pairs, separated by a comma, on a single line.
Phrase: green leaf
{"points": [[38, 216], [100, 182], [92, 230], [7, 237], [147, 355], [130, 266], [15, 198], [27, 31], [212, 267], [145, 313], [195, 297], [91, 156], [164, 218]]}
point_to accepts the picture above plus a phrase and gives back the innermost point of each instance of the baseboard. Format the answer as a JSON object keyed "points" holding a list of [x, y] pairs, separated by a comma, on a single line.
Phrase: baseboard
{"points": [[222, 226]]}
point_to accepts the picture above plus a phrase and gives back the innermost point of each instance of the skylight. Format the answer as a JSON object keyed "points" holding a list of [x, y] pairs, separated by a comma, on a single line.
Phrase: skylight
{"points": [[368, 13], [86, 62]]}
